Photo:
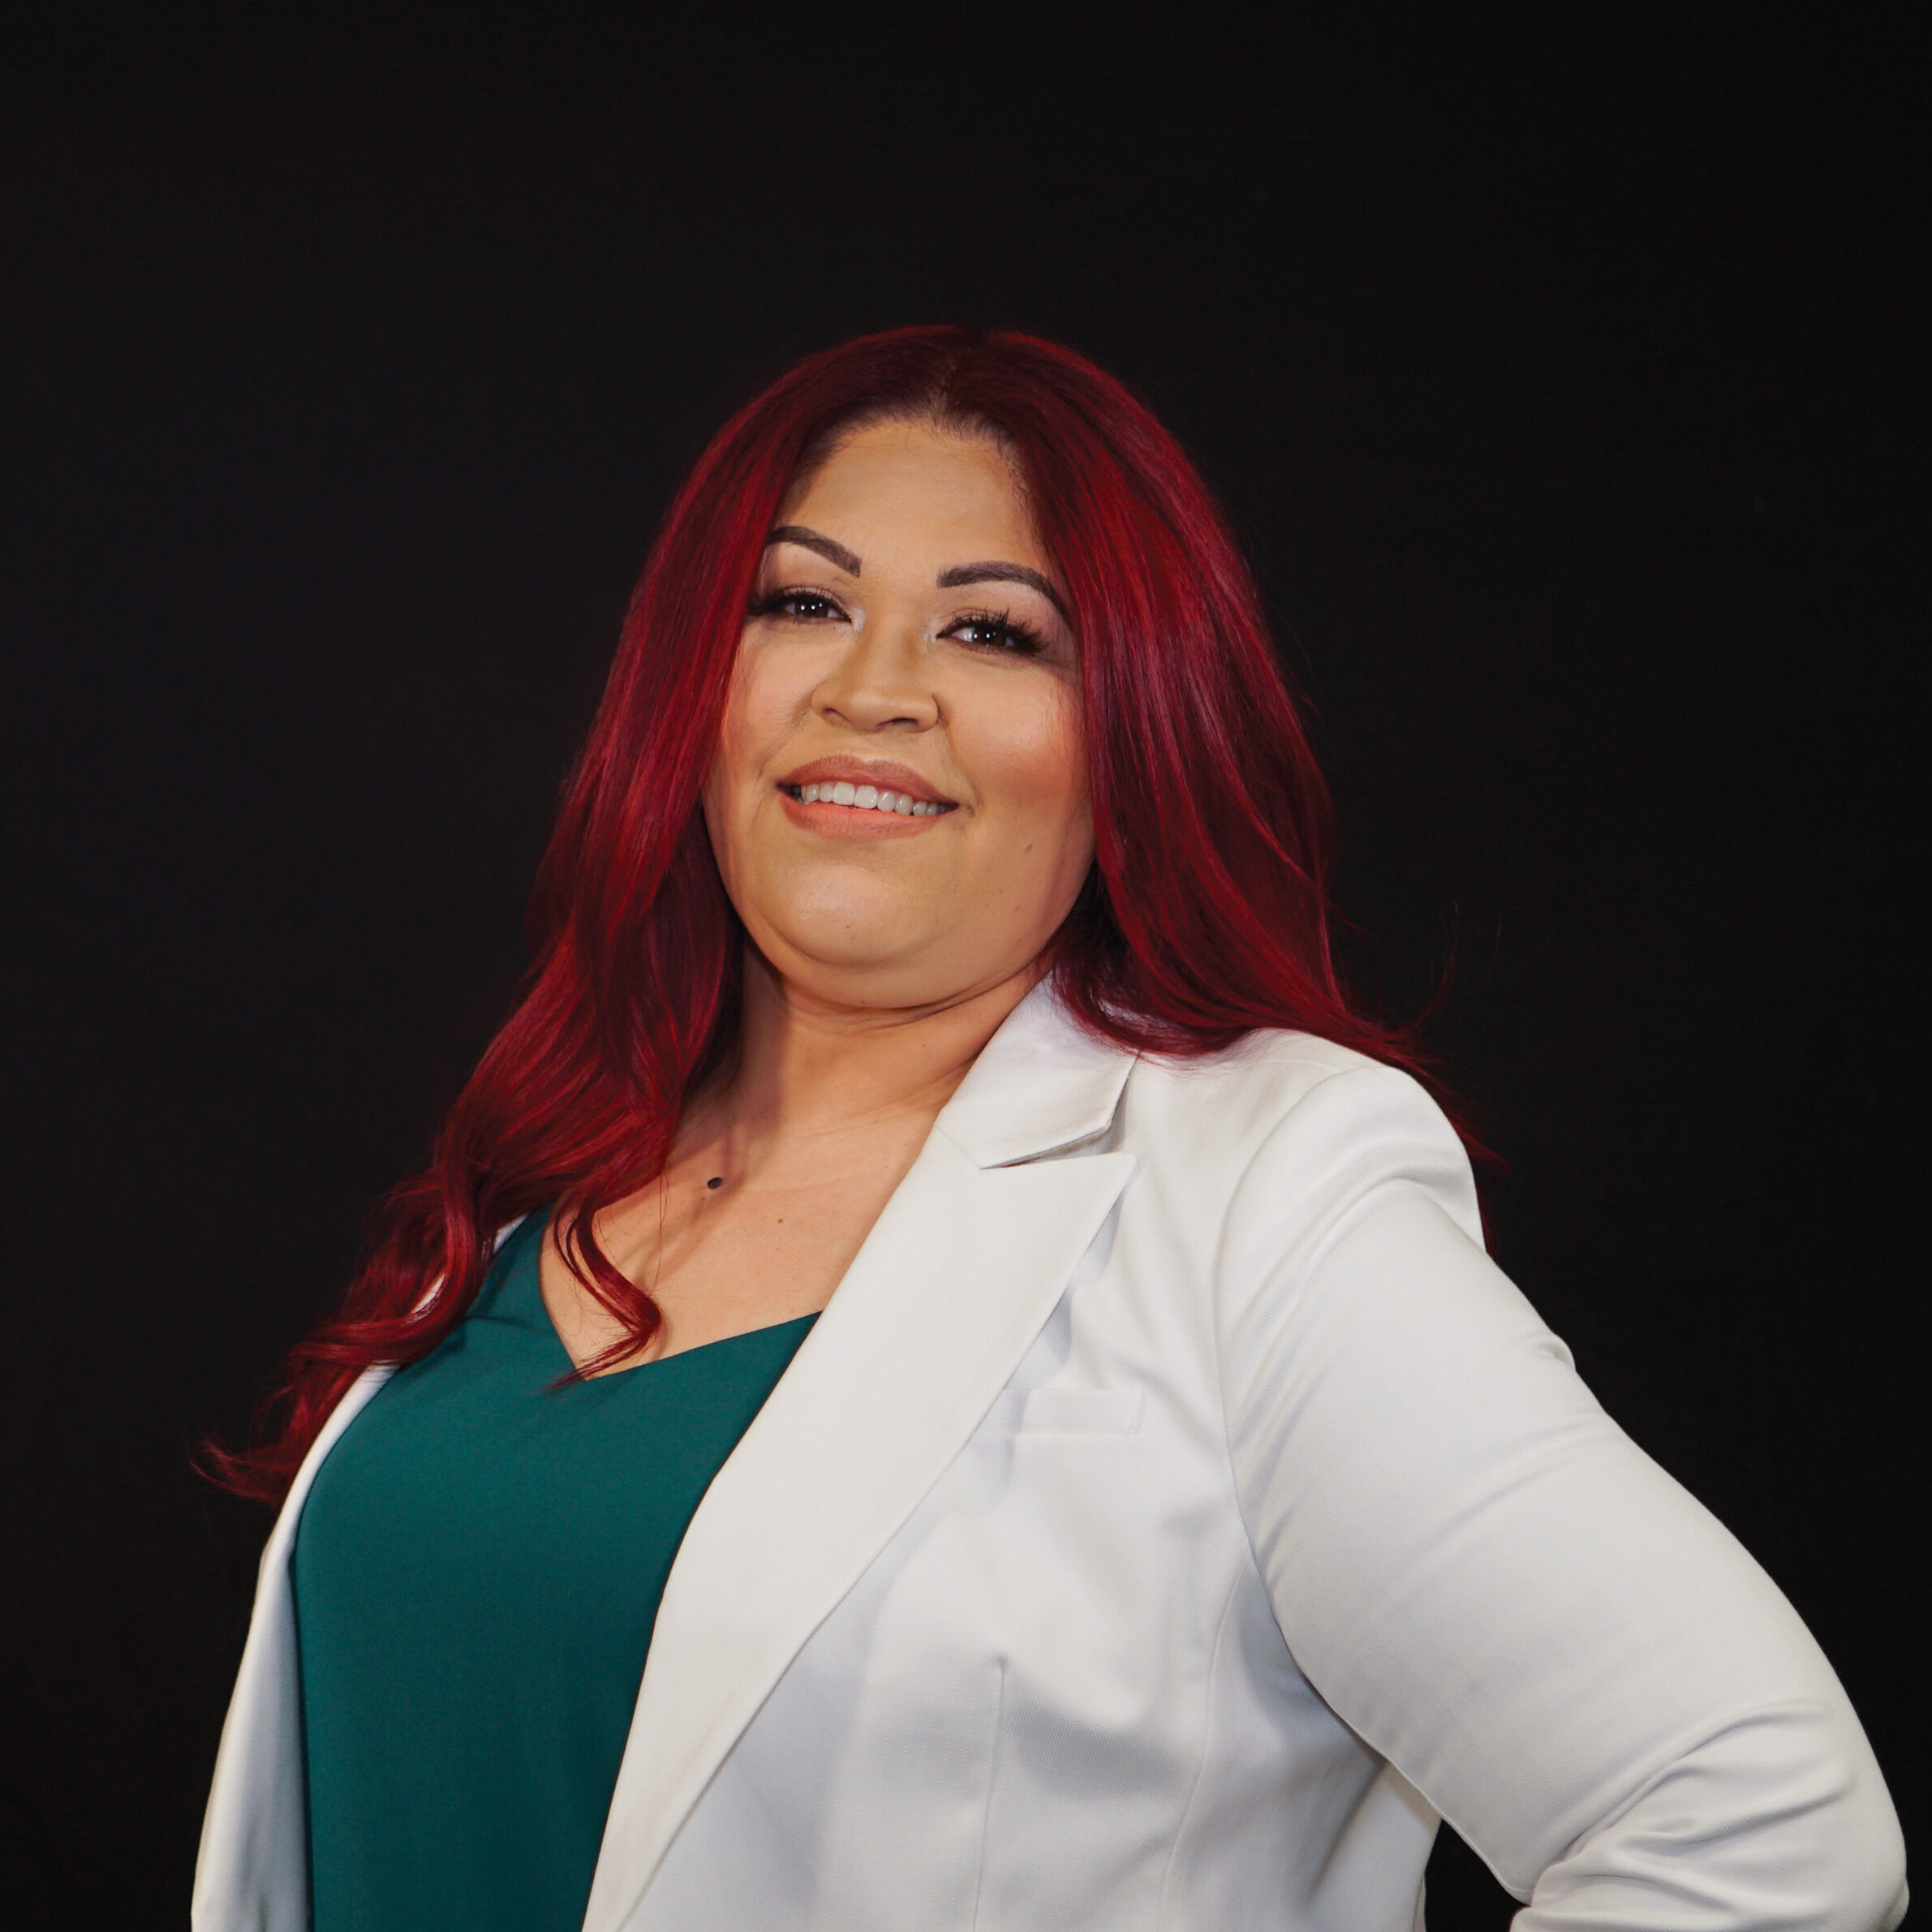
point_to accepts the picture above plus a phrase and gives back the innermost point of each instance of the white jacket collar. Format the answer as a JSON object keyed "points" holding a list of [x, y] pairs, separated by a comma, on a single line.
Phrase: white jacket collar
{"points": [[1041, 1085]]}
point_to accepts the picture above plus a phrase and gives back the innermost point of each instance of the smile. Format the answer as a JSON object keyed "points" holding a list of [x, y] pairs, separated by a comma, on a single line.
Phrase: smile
{"points": [[866, 798]]}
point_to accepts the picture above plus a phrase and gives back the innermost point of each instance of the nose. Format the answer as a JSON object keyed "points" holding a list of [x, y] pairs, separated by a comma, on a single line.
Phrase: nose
{"points": [[881, 682]]}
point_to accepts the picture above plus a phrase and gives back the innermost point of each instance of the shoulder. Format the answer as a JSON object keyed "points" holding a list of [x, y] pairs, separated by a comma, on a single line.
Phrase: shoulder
{"points": [[1287, 1125], [1245, 1093]]}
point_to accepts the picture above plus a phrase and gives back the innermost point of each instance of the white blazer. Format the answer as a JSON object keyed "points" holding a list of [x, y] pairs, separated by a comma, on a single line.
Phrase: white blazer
{"points": [[1173, 1512]]}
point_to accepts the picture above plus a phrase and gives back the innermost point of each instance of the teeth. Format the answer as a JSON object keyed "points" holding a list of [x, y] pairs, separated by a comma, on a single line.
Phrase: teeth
{"points": [[867, 797]]}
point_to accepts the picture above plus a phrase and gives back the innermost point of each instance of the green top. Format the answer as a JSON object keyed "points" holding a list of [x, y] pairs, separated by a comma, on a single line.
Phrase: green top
{"points": [[477, 1570]]}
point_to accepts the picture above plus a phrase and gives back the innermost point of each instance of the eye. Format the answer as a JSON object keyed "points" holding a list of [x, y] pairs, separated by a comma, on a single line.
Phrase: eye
{"points": [[800, 606], [996, 631]]}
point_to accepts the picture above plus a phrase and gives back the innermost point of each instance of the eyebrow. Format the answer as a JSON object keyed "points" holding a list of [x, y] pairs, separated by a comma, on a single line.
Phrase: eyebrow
{"points": [[848, 561], [813, 539], [1002, 573]]}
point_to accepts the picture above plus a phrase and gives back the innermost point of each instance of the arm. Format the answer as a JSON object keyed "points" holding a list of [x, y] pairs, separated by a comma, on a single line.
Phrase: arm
{"points": [[1578, 1666]]}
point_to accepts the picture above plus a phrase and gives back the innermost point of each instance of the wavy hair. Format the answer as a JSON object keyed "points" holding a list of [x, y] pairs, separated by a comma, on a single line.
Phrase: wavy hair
{"points": [[1205, 913]]}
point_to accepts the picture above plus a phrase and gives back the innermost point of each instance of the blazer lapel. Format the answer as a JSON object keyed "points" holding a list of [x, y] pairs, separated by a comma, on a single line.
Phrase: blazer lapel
{"points": [[253, 1865], [252, 1868], [952, 1286]]}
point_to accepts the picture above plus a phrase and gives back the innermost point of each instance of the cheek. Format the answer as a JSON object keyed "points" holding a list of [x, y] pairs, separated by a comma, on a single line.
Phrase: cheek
{"points": [[760, 709], [755, 700], [731, 791], [1035, 763]]}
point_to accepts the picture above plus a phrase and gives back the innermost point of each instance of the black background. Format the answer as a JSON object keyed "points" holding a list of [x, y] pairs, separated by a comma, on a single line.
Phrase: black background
{"points": [[1555, 369]]}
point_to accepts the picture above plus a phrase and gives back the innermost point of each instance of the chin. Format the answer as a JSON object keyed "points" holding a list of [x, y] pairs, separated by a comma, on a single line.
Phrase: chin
{"points": [[849, 956], [858, 922]]}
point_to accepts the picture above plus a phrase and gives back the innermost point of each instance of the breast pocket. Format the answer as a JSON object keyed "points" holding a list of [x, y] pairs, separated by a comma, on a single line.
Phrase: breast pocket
{"points": [[1085, 1412]]}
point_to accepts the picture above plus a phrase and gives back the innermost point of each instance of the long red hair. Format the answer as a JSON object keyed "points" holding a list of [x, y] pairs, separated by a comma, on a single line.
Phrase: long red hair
{"points": [[1206, 914]]}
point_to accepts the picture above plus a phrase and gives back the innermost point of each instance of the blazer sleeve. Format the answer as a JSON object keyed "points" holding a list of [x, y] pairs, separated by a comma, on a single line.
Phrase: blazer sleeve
{"points": [[1484, 1577]]}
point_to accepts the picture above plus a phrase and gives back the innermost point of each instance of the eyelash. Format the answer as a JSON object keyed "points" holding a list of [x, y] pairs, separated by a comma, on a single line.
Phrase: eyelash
{"points": [[1026, 642], [773, 604]]}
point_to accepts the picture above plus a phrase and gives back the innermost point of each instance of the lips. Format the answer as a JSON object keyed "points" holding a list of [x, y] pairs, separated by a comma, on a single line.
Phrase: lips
{"points": [[865, 785]]}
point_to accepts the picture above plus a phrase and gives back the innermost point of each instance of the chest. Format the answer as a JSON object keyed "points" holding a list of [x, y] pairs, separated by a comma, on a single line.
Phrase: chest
{"points": [[718, 1261]]}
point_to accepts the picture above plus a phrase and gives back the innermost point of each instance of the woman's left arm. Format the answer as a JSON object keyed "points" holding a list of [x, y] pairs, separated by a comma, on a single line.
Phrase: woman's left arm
{"points": [[1577, 1664]]}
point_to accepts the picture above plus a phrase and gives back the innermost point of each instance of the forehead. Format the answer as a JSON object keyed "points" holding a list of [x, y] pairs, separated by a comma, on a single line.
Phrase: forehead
{"points": [[914, 486]]}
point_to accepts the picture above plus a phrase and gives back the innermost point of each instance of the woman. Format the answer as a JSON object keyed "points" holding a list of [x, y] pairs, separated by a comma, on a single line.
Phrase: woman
{"points": [[953, 1210]]}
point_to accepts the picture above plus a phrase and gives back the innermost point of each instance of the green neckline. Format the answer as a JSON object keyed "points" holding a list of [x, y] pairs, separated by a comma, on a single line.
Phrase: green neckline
{"points": [[521, 1295]]}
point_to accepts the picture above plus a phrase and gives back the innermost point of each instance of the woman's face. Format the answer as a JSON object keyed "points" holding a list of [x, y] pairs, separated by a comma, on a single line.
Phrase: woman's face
{"points": [[899, 803]]}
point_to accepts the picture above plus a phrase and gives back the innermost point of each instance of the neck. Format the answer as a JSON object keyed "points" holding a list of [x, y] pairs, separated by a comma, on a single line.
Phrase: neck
{"points": [[804, 1064]]}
